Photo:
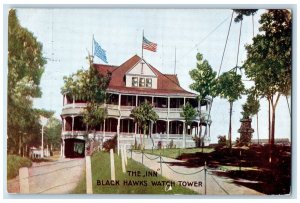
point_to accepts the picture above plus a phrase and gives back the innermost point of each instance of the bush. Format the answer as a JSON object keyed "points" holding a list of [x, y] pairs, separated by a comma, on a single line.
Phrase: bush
{"points": [[171, 144], [159, 145], [14, 163], [136, 146], [222, 140], [111, 144], [197, 141]]}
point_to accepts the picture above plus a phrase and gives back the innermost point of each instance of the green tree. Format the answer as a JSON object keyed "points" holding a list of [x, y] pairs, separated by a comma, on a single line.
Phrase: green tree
{"points": [[269, 62], [53, 133], [90, 86], [189, 114], [25, 68], [230, 87], [143, 116], [251, 106], [222, 140], [204, 81], [243, 12]]}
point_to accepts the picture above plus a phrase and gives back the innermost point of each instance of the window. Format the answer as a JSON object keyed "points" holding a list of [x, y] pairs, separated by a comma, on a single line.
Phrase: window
{"points": [[134, 81], [142, 82], [148, 82]]}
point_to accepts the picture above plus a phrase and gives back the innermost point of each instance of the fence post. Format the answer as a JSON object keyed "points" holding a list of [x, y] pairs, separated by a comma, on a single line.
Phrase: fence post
{"points": [[24, 180], [123, 161], [160, 164], [205, 177], [125, 155], [112, 165], [88, 169]]}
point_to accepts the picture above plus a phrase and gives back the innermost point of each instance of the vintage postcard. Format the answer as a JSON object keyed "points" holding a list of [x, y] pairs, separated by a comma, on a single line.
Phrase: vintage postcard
{"points": [[149, 101]]}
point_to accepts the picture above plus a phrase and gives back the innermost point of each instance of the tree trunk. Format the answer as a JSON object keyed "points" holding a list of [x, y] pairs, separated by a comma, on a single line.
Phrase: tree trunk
{"points": [[200, 130], [269, 120], [144, 137], [230, 115], [257, 132], [273, 127], [141, 140], [20, 145], [287, 101]]}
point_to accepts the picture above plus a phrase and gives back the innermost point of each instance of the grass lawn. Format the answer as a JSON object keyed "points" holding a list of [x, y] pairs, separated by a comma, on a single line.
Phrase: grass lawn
{"points": [[15, 162], [174, 153], [101, 171]]}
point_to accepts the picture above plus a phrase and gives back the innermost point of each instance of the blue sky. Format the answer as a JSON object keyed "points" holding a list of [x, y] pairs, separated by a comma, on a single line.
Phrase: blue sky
{"points": [[66, 35]]}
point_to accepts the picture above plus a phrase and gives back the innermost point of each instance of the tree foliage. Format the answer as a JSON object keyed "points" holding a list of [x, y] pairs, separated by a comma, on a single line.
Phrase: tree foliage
{"points": [[204, 82], [204, 78], [230, 87], [243, 12], [269, 61], [188, 113], [251, 107], [25, 68], [90, 86], [53, 132], [143, 116]]}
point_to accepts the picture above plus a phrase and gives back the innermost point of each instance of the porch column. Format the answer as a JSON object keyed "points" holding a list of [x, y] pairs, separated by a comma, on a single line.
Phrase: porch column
{"points": [[72, 125], [136, 100], [64, 124], [168, 106], [168, 129], [73, 102], [119, 104], [104, 130], [183, 137], [152, 101], [118, 134], [135, 128], [183, 101]]}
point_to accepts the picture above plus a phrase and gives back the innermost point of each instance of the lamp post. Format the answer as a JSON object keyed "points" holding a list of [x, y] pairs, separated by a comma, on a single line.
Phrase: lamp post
{"points": [[43, 122]]}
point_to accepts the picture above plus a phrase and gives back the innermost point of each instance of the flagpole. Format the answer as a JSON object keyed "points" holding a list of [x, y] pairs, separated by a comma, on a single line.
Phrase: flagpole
{"points": [[175, 62], [93, 46], [142, 45], [142, 71]]}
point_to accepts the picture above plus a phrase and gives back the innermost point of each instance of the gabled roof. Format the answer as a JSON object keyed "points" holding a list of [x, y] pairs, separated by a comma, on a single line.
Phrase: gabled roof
{"points": [[167, 84]]}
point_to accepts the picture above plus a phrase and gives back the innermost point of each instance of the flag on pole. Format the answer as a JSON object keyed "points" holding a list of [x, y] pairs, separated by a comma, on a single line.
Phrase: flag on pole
{"points": [[149, 45], [99, 52]]}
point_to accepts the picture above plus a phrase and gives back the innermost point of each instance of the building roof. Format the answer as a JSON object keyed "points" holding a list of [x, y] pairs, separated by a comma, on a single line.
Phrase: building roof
{"points": [[167, 84]]}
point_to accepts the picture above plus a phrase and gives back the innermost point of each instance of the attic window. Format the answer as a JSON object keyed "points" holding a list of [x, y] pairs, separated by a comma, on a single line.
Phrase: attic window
{"points": [[148, 82], [134, 82], [142, 82]]}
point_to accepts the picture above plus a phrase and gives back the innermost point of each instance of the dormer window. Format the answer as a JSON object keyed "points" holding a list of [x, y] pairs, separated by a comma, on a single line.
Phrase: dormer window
{"points": [[142, 82], [135, 82], [149, 82]]}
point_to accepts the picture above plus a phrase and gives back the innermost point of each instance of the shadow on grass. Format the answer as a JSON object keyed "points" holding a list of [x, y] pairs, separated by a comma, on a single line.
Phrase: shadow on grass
{"points": [[248, 167]]}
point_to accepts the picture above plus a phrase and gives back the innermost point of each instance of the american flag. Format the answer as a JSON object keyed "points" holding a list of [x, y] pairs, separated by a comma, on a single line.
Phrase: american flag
{"points": [[149, 45], [99, 52]]}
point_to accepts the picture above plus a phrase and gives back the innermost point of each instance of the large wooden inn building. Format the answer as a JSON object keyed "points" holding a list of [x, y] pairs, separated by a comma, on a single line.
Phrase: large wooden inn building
{"points": [[132, 83]]}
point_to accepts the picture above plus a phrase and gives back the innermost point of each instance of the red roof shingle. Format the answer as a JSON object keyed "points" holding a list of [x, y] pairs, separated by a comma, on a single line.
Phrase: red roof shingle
{"points": [[167, 84]]}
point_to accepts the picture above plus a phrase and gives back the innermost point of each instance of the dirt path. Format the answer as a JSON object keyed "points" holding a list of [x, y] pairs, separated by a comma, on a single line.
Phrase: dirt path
{"points": [[59, 177], [215, 185]]}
